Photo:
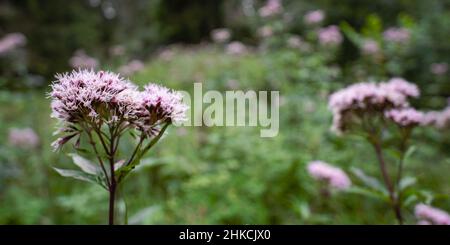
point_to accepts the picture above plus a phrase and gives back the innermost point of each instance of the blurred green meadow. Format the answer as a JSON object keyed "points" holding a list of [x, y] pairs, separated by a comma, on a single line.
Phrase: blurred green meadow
{"points": [[225, 175]]}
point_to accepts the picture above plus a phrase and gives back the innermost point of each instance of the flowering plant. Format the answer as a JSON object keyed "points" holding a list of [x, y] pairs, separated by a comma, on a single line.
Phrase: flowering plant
{"points": [[380, 113], [103, 107]]}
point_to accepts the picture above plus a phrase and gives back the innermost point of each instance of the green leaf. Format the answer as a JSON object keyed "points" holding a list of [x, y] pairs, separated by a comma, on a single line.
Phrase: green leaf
{"points": [[428, 196], [143, 214], [367, 192], [304, 210], [83, 150], [351, 34], [76, 174], [80, 175], [373, 26], [406, 20], [150, 162], [369, 181], [441, 197], [84, 164], [407, 182], [409, 153], [410, 200]]}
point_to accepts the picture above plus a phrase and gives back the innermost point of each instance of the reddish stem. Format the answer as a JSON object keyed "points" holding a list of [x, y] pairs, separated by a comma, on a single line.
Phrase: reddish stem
{"points": [[387, 181]]}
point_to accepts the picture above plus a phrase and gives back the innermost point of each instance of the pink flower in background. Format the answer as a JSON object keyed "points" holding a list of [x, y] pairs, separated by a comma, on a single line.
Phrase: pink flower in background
{"points": [[11, 41], [431, 215], [370, 47], [221, 35], [166, 54], [314, 17], [182, 131], [24, 138], [265, 31], [233, 84], [295, 42], [364, 96], [438, 119], [131, 68], [117, 50], [136, 65], [236, 48], [406, 117], [330, 35], [397, 35], [355, 97], [369, 97], [439, 68], [443, 120], [430, 118], [334, 176], [81, 60], [272, 7]]}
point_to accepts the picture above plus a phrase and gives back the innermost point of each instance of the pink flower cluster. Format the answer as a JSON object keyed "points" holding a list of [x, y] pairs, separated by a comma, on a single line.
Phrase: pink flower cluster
{"points": [[117, 50], [370, 47], [330, 35], [265, 31], [236, 48], [334, 176], [81, 60], [80, 95], [430, 215], [295, 42], [314, 17], [397, 35], [166, 54], [221, 35], [406, 117], [24, 138], [438, 119], [85, 97], [160, 104], [11, 42], [361, 98], [400, 86], [439, 68], [271, 8], [131, 68]]}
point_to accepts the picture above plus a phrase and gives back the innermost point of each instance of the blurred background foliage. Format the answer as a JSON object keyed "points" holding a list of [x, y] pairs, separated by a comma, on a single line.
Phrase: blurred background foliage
{"points": [[218, 175]]}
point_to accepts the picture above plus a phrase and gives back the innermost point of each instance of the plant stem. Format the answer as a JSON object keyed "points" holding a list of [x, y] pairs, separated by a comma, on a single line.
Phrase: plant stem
{"points": [[403, 148], [113, 185], [141, 140], [112, 196], [387, 181]]}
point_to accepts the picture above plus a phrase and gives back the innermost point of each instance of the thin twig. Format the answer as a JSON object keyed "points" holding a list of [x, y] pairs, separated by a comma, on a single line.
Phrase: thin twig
{"points": [[91, 141]]}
